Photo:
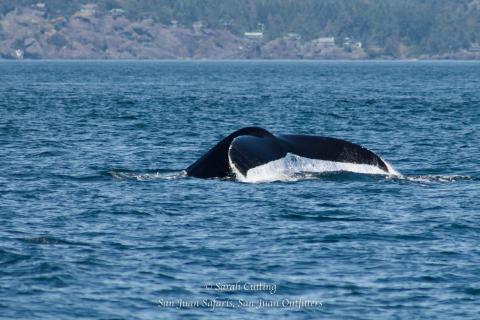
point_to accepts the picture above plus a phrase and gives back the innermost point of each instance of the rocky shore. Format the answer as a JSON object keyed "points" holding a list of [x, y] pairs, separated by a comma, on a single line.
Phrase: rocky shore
{"points": [[31, 34]]}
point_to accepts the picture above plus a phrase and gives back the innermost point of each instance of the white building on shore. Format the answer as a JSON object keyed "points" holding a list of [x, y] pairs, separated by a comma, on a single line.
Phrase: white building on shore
{"points": [[324, 42], [258, 35]]}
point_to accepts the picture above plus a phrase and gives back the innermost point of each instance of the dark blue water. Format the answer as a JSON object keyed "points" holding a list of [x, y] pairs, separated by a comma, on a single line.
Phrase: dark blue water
{"points": [[97, 220]]}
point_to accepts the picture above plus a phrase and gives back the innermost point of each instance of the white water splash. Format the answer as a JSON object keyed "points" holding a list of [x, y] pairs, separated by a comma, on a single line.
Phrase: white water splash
{"points": [[437, 178], [392, 171], [288, 168], [121, 175]]}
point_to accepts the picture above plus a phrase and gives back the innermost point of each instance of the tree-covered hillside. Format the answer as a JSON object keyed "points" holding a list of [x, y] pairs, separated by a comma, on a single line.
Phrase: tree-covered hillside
{"points": [[416, 26]]}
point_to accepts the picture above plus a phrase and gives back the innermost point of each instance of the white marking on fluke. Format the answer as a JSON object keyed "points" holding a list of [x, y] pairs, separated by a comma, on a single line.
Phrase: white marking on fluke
{"points": [[234, 169], [286, 168]]}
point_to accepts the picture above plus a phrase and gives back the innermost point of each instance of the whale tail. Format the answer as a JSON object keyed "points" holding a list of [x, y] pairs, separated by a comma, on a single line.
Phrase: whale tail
{"points": [[252, 147]]}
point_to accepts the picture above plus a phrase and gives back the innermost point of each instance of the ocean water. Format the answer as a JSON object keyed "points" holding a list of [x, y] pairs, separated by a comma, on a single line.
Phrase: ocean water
{"points": [[98, 221]]}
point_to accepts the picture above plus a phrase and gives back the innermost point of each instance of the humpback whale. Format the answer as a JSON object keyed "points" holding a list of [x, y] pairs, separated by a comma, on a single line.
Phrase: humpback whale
{"points": [[250, 148]]}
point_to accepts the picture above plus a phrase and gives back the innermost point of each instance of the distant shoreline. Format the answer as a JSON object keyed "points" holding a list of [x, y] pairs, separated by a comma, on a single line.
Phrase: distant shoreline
{"points": [[236, 60], [31, 34]]}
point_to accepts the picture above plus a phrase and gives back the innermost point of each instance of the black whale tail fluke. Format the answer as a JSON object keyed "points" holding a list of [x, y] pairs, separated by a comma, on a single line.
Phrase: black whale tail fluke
{"points": [[252, 147], [215, 163]]}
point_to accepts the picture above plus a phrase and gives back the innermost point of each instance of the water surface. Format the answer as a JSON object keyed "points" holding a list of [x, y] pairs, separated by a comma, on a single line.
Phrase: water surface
{"points": [[98, 221]]}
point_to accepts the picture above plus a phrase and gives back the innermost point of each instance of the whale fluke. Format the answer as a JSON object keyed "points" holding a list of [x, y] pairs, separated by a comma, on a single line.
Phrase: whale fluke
{"points": [[252, 147]]}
